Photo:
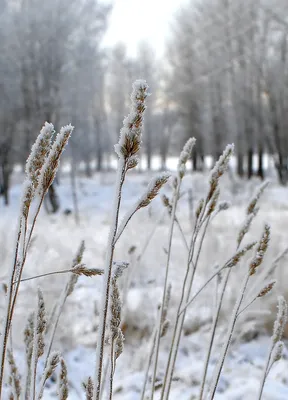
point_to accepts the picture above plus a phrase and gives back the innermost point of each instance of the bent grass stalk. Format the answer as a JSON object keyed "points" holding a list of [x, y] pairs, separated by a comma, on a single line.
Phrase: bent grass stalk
{"points": [[253, 265], [228, 338], [181, 169], [203, 214], [180, 316], [170, 237]]}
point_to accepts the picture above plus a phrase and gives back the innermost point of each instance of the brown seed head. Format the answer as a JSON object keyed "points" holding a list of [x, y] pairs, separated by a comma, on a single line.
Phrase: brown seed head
{"points": [[266, 289], [261, 250]]}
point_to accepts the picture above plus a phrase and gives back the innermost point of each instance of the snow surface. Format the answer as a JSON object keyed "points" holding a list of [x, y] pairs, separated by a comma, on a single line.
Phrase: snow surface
{"points": [[57, 238]]}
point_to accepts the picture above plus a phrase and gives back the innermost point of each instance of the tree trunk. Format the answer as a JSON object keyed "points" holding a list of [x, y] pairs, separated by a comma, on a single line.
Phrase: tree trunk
{"points": [[163, 161], [202, 165], [53, 199], [194, 160], [282, 171], [5, 183], [260, 171], [99, 147], [240, 165], [88, 171], [250, 163]]}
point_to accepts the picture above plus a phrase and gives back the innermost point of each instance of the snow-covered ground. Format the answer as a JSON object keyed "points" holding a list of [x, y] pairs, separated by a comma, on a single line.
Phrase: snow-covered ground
{"points": [[57, 238]]}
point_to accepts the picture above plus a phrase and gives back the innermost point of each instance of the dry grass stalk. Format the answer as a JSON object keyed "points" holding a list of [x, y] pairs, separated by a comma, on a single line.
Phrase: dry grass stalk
{"points": [[126, 149], [203, 215], [232, 262], [41, 168], [40, 171], [256, 262], [151, 192], [276, 346], [58, 307], [251, 213], [149, 362], [176, 192]]}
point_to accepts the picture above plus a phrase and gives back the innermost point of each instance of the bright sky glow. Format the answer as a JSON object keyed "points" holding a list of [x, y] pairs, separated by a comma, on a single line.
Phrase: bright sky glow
{"points": [[134, 20]]}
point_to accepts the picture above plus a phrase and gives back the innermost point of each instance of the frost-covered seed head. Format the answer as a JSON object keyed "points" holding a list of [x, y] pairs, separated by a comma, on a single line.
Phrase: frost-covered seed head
{"points": [[213, 202], [27, 197], [14, 378], [281, 320], [41, 324], [222, 164], [267, 289], [219, 169], [199, 208], [277, 352], [39, 152], [79, 254], [251, 209], [184, 156], [165, 327], [240, 254], [166, 303], [224, 205], [89, 387], [52, 363], [49, 169], [261, 250], [115, 310], [81, 269], [130, 135], [119, 344], [28, 337], [63, 382], [245, 228], [74, 278], [153, 189], [119, 268]]}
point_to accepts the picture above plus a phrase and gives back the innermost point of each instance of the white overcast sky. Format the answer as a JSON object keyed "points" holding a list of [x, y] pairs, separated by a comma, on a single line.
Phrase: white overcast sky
{"points": [[134, 20]]}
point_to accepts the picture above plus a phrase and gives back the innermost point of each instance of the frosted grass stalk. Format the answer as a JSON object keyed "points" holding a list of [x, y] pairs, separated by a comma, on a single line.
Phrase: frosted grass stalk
{"points": [[126, 149], [228, 338], [183, 158], [276, 343]]}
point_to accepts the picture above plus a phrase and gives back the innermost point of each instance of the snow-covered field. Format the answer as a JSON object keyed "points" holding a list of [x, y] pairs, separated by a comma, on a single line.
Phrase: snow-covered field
{"points": [[57, 238]]}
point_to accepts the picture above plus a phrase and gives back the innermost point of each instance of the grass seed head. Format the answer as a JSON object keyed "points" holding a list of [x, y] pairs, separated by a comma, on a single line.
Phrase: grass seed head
{"points": [[39, 153], [277, 351], [280, 321], [260, 251], [153, 189], [63, 382], [184, 156], [81, 269], [267, 289], [131, 133]]}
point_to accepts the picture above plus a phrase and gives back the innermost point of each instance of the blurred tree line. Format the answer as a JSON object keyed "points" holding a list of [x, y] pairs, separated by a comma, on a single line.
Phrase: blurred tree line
{"points": [[224, 78], [229, 79]]}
